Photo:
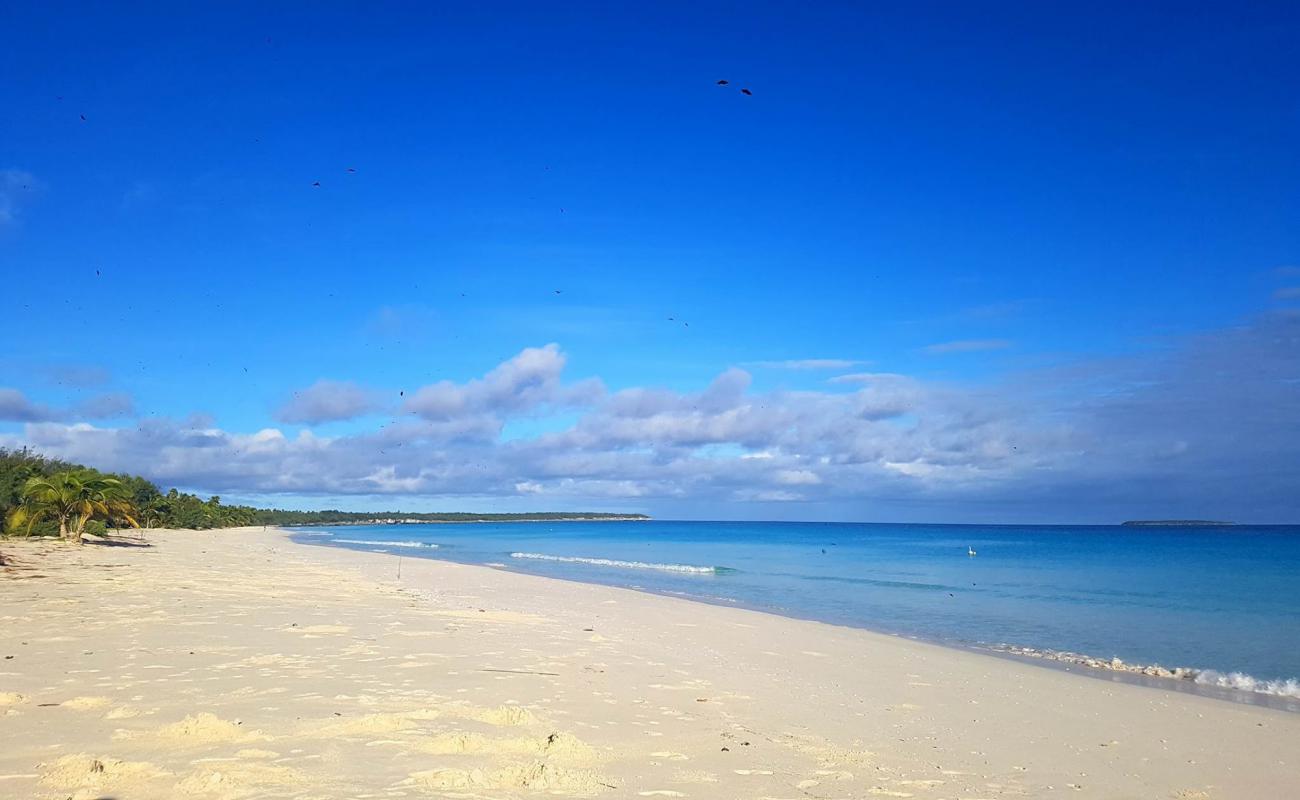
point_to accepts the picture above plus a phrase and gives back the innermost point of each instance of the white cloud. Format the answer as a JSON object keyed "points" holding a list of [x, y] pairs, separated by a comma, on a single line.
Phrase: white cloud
{"points": [[797, 477], [15, 407], [528, 382], [328, 401], [1211, 428], [107, 406]]}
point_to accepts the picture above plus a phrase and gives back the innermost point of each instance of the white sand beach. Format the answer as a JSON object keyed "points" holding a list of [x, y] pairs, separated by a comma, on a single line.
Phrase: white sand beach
{"points": [[238, 664]]}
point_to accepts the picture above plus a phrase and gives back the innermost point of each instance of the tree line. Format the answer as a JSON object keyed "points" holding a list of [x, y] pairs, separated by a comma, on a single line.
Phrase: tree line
{"points": [[42, 496]]}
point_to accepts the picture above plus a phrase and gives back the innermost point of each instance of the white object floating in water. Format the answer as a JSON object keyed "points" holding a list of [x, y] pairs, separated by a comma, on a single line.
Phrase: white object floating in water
{"points": [[970, 551]]}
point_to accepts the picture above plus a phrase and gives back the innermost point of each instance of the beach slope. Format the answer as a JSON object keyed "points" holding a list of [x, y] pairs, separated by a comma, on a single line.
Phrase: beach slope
{"points": [[238, 664]]}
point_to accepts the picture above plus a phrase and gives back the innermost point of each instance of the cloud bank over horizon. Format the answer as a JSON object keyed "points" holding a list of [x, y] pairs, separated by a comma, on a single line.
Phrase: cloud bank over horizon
{"points": [[1206, 426]]}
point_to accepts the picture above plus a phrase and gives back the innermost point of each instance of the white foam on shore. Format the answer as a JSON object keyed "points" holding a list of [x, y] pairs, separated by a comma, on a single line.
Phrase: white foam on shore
{"points": [[1247, 683], [609, 562], [386, 544], [1240, 681]]}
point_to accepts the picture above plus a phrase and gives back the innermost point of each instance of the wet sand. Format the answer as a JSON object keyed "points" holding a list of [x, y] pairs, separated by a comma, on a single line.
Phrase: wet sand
{"points": [[238, 664]]}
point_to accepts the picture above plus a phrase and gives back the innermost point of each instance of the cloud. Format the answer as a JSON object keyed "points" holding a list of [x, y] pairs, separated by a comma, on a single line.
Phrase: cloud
{"points": [[16, 187], [798, 477], [528, 382], [1208, 426], [107, 406], [967, 346], [1287, 293], [809, 363], [15, 407], [328, 401]]}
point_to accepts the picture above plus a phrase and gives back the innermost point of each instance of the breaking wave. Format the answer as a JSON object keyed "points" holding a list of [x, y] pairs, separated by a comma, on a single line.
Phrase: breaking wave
{"points": [[610, 562], [1247, 683], [386, 544], [1240, 681]]}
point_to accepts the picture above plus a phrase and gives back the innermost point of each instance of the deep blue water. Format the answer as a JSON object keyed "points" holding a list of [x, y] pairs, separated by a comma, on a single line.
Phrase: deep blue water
{"points": [[1226, 599]]}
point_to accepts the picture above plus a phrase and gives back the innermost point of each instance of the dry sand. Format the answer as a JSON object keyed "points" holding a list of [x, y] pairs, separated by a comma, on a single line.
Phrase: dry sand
{"points": [[237, 664]]}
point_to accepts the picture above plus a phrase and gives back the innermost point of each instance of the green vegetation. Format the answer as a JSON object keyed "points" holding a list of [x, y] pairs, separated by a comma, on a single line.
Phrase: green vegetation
{"points": [[71, 500], [42, 496]]}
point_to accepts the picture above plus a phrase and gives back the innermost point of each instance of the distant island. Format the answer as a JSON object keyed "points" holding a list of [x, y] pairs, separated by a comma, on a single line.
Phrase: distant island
{"points": [[1199, 523]]}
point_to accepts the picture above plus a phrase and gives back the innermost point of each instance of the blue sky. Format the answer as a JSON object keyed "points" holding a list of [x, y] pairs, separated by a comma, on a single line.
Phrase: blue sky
{"points": [[1010, 216]]}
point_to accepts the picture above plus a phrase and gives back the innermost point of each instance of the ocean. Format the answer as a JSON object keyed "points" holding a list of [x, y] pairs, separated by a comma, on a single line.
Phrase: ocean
{"points": [[1224, 601]]}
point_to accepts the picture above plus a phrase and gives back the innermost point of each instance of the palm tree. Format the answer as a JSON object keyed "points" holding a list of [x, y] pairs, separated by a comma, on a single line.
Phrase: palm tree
{"points": [[72, 499], [153, 512]]}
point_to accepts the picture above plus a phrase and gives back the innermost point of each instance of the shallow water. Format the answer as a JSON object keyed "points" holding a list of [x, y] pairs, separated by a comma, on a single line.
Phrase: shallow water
{"points": [[1226, 599]]}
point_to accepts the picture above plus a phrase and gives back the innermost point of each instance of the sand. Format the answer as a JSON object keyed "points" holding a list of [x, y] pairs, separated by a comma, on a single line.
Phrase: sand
{"points": [[238, 664]]}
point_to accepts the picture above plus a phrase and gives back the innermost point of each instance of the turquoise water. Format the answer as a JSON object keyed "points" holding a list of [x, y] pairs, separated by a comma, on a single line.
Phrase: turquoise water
{"points": [[1221, 599]]}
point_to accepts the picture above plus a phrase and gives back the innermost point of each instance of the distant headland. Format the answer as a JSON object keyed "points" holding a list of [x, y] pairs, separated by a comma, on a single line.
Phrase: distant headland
{"points": [[1179, 523]]}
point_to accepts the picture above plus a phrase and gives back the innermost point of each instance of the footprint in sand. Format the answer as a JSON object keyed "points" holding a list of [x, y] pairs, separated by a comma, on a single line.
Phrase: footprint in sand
{"points": [[206, 728], [122, 712], [671, 756], [370, 723], [552, 746], [535, 776], [242, 780], [317, 629], [501, 716], [11, 699], [86, 703], [83, 771]]}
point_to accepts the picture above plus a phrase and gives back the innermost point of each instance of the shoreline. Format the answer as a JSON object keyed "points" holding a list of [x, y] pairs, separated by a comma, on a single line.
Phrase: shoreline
{"points": [[239, 663], [1176, 679], [386, 521]]}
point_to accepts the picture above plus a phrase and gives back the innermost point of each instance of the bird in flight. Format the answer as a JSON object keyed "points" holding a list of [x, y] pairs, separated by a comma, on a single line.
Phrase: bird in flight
{"points": [[316, 184], [747, 92], [723, 82]]}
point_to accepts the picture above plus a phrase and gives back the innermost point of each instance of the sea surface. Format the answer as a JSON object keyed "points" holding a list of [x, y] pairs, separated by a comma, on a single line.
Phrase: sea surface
{"points": [[1223, 600]]}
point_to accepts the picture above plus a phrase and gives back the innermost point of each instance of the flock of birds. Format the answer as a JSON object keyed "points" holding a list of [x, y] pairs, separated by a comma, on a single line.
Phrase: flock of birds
{"points": [[352, 171]]}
